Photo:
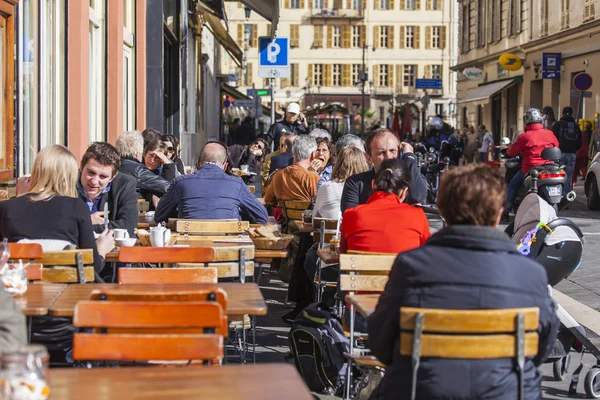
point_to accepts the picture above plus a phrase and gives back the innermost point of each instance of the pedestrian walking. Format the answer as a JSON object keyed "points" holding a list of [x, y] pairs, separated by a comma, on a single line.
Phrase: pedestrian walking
{"points": [[581, 162], [569, 139], [294, 122], [471, 145], [487, 141]]}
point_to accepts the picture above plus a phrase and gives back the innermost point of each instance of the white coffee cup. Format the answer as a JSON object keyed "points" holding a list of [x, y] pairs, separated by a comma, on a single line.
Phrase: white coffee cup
{"points": [[121, 233]]}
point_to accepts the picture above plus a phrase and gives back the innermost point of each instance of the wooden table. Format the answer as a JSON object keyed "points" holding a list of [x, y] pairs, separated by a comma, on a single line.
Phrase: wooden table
{"points": [[242, 298], [364, 303], [38, 298], [228, 382], [328, 257], [304, 227], [143, 224]]}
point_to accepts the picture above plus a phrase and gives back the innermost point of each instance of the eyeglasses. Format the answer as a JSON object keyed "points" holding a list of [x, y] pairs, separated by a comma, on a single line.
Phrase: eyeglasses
{"points": [[170, 149]]}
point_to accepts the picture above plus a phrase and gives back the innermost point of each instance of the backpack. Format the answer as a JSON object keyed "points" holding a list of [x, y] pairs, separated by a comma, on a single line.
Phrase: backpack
{"points": [[318, 344], [568, 130]]}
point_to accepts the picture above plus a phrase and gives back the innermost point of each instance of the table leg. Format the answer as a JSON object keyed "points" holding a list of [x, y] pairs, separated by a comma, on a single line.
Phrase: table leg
{"points": [[253, 325], [244, 343], [114, 268], [29, 328]]}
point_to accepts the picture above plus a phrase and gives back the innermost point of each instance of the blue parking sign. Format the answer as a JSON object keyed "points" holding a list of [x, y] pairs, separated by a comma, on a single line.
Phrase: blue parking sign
{"points": [[273, 57]]}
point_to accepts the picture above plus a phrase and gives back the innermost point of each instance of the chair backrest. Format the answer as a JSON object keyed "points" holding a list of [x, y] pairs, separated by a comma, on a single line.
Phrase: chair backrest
{"points": [[293, 209], [143, 331], [143, 206], [141, 254], [469, 334], [208, 227], [325, 227], [167, 275], [361, 272], [252, 188], [68, 266], [25, 251]]}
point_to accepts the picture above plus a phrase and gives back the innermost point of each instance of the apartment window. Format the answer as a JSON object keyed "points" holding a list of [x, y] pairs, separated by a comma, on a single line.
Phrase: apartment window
{"points": [[434, 5], [294, 36], [409, 37], [294, 3], [294, 75], [436, 72], [129, 65], [435, 37], [544, 18], [410, 4], [382, 113], [384, 4], [589, 10], [439, 109], [97, 54], [480, 23], [357, 36], [247, 75], [318, 37], [383, 36], [496, 18], [409, 73], [466, 17], [383, 75], [515, 17], [357, 4], [247, 34], [336, 75], [336, 37], [318, 4], [356, 73], [318, 74], [564, 13]]}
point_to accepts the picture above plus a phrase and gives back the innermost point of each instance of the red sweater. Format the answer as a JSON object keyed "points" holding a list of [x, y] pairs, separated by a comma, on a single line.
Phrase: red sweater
{"points": [[383, 225], [531, 143]]}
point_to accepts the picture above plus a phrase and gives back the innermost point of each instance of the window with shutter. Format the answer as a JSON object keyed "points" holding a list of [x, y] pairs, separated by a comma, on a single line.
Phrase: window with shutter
{"points": [[564, 15], [336, 75], [294, 36], [428, 72], [346, 75], [355, 78], [391, 29], [318, 37], [480, 23], [363, 36], [436, 71], [398, 77], [417, 4], [442, 37], [357, 35], [328, 75], [391, 5], [248, 75], [428, 5], [409, 37], [589, 10], [268, 30], [336, 41], [302, 4], [436, 35], [515, 17], [376, 36], [402, 38], [287, 3], [285, 82], [294, 69], [346, 30], [376, 75], [437, 5], [496, 20], [402, 5], [318, 74], [410, 4], [329, 37], [240, 35], [417, 31], [390, 71], [254, 40], [338, 4], [428, 37], [311, 74], [544, 15]]}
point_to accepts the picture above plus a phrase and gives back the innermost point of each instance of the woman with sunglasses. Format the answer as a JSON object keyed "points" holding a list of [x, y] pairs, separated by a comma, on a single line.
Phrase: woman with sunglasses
{"points": [[172, 144], [247, 155]]}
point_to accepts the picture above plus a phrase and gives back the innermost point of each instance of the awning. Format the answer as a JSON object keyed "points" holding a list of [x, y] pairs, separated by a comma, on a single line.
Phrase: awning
{"points": [[236, 94], [484, 92], [268, 9], [214, 7], [222, 36]]}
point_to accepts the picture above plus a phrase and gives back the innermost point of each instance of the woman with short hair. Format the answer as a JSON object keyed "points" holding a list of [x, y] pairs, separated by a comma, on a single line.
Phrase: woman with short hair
{"points": [[172, 144]]}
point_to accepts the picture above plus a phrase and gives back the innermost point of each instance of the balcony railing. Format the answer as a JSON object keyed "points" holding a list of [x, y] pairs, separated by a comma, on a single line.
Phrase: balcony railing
{"points": [[334, 13]]}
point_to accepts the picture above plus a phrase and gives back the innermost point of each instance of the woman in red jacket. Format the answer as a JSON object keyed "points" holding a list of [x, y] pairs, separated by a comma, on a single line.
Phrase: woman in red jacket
{"points": [[385, 224]]}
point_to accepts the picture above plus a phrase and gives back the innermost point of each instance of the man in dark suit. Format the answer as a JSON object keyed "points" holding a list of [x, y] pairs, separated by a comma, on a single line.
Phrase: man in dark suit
{"points": [[285, 159], [382, 144], [100, 183]]}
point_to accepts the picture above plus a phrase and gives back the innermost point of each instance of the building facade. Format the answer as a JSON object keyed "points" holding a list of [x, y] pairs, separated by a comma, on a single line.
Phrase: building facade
{"points": [[398, 41], [496, 97]]}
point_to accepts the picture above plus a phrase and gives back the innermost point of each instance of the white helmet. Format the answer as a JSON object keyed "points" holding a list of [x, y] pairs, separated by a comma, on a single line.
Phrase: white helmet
{"points": [[532, 116]]}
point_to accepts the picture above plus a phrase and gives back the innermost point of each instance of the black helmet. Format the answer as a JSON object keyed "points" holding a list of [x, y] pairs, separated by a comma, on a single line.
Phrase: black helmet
{"points": [[532, 116], [436, 123]]}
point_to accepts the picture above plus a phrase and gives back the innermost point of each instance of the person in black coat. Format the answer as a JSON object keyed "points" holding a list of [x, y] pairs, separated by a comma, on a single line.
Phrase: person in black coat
{"points": [[100, 183], [382, 144], [172, 144], [469, 265], [247, 155], [283, 160], [129, 145], [294, 122]]}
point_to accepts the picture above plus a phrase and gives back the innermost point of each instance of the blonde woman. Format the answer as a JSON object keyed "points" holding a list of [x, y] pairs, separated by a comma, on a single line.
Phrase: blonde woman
{"points": [[51, 208], [349, 162]]}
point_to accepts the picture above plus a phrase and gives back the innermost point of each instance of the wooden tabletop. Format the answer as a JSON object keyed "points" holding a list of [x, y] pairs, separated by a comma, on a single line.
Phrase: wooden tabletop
{"points": [[365, 303], [304, 227], [242, 298], [38, 298], [328, 257], [228, 382]]}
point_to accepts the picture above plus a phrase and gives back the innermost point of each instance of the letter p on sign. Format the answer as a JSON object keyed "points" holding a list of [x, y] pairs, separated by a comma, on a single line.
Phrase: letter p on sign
{"points": [[273, 50]]}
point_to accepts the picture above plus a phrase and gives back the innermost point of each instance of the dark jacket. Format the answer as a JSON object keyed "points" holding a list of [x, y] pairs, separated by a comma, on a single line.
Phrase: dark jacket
{"points": [[210, 194], [566, 145], [358, 188], [147, 182], [122, 204], [179, 165], [240, 155], [281, 161], [461, 268], [278, 127]]}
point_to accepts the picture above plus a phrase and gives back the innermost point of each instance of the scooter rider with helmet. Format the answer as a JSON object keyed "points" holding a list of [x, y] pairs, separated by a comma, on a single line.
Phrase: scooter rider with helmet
{"points": [[529, 145]]}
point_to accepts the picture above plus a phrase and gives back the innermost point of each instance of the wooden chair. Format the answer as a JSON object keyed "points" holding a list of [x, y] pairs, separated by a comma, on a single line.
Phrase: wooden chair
{"points": [[145, 331], [469, 334], [27, 252], [325, 230], [208, 227], [139, 254], [68, 266], [366, 273], [293, 209], [167, 275], [252, 188]]}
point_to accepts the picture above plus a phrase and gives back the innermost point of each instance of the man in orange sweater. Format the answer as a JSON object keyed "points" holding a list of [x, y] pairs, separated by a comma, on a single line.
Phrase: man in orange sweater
{"points": [[298, 181]]}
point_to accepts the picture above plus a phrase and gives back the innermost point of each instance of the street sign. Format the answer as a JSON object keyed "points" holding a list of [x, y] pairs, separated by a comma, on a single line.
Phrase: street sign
{"points": [[273, 57], [227, 103], [425, 100], [551, 62], [510, 62], [582, 81], [428, 84], [550, 74], [258, 92], [577, 93], [244, 103]]}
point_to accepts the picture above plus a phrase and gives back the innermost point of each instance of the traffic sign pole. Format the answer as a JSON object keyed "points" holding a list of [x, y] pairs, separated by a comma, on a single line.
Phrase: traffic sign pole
{"points": [[272, 87], [582, 82]]}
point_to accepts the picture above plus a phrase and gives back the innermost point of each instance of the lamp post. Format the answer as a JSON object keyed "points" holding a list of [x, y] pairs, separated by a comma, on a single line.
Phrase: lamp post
{"points": [[363, 77]]}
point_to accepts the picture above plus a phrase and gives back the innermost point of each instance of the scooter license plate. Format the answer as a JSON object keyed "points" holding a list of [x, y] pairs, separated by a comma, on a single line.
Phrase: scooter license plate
{"points": [[555, 190]]}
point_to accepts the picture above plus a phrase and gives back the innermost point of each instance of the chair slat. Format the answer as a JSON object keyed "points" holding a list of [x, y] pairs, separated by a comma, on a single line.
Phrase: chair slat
{"points": [[469, 321], [370, 283], [224, 270], [194, 226], [25, 251], [65, 274], [296, 204], [67, 257], [468, 346], [357, 262], [128, 347], [166, 254], [330, 224], [167, 275], [124, 293]]}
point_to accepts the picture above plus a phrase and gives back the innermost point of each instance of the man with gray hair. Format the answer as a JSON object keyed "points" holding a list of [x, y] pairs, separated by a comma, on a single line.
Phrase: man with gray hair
{"points": [[319, 133], [349, 140], [210, 193], [130, 146]]}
